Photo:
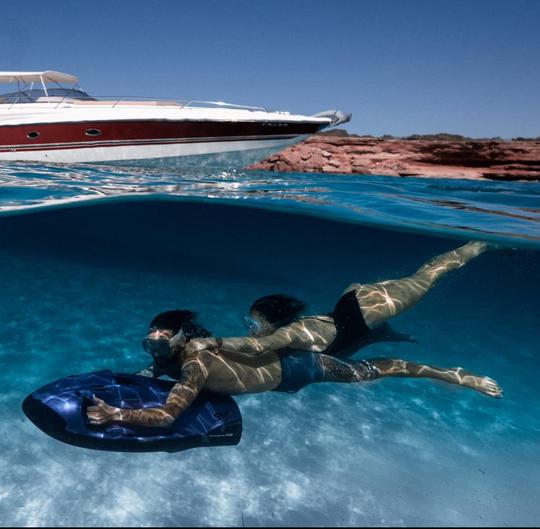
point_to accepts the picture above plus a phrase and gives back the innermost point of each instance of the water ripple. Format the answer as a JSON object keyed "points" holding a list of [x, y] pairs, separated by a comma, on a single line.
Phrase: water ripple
{"points": [[500, 211]]}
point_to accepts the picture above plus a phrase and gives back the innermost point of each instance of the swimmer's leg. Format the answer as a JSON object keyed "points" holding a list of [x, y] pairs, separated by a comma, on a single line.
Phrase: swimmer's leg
{"points": [[380, 301], [364, 370], [336, 370]]}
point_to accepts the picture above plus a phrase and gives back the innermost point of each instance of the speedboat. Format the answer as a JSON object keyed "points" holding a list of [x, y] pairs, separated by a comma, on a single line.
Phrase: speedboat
{"points": [[49, 118]]}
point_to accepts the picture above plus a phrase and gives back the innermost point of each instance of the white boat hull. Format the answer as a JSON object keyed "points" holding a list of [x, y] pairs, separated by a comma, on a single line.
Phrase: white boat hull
{"points": [[226, 154], [152, 133]]}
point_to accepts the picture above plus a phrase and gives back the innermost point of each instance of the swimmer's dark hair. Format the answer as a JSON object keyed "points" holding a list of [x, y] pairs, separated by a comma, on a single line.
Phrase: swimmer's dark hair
{"points": [[176, 320], [279, 309]]}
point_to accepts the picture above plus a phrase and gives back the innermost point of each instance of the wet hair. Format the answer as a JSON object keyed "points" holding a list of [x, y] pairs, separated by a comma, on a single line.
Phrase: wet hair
{"points": [[184, 320], [279, 309]]}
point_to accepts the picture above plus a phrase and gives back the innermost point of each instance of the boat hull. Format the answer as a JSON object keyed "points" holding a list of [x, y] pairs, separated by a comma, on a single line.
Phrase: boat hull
{"points": [[151, 142], [223, 154]]}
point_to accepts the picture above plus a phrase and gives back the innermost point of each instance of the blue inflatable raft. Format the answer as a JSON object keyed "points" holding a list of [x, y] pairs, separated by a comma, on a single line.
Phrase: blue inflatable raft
{"points": [[59, 410]]}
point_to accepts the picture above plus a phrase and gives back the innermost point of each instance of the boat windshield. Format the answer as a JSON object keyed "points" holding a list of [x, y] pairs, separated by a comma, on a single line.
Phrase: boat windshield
{"points": [[31, 96]]}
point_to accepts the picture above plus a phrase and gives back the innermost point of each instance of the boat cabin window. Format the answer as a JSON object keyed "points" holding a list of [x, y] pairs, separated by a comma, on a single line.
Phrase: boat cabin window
{"points": [[31, 96]]}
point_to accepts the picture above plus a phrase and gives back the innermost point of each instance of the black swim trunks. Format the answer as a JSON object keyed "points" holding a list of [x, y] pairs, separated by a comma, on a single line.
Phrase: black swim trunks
{"points": [[299, 369], [351, 329]]}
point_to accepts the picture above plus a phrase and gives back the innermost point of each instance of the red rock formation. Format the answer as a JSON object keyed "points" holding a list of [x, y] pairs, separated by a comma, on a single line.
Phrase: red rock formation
{"points": [[492, 159]]}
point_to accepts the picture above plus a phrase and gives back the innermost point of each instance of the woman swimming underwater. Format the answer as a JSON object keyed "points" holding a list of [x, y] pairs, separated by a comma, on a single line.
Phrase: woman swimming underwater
{"points": [[359, 318]]}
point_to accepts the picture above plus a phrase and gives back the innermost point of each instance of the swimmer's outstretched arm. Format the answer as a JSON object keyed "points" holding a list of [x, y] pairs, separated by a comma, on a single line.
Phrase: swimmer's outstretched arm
{"points": [[296, 336], [194, 374]]}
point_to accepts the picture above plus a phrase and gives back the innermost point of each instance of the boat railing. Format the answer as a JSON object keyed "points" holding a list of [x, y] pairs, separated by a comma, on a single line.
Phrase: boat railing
{"points": [[195, 102], [115, 101], [184, 103]]}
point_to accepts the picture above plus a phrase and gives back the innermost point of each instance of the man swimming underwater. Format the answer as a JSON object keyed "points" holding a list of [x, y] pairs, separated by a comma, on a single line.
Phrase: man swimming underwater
{"points": [[293, 356]]}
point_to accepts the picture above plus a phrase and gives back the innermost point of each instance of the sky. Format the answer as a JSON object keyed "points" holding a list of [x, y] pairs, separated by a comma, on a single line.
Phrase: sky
{"points": [[401, 67]]}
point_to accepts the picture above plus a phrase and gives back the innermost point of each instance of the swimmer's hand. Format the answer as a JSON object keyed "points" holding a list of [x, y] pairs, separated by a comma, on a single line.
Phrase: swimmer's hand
{"points": [[201, 344], [102, 413]]}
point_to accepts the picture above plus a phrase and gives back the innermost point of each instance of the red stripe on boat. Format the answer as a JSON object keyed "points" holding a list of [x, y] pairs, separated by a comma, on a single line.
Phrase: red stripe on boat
{"points": [[76, 132]]}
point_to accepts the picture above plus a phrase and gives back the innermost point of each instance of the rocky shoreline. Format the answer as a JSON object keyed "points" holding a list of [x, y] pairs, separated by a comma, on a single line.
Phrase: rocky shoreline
{"points": [[439, 156]]}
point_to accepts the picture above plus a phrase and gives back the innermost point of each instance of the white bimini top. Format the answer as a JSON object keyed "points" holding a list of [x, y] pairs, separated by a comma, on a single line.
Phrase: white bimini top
{"points": [[47, 76]]}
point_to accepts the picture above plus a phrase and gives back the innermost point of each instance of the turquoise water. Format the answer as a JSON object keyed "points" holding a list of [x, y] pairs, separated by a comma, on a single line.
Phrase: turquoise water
{"points": [[89, 254]]}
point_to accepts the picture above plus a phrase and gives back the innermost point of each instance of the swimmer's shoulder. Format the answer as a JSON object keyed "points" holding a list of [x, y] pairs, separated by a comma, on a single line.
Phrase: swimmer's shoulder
{"points": [[325, 318], [318, 321]]}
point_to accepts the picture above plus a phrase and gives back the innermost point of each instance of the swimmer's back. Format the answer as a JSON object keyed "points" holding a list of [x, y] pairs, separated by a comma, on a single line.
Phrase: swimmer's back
{"points": [[233, 378]]}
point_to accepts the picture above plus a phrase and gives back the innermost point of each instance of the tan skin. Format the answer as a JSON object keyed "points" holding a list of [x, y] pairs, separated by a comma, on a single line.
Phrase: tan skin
{"points": [[212, 371], [251, 365], [201, 370], [378, 303]]}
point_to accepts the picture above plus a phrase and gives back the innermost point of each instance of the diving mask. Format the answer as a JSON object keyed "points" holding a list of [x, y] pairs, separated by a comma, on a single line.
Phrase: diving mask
{"points": [[157, 348], [252, 325]]}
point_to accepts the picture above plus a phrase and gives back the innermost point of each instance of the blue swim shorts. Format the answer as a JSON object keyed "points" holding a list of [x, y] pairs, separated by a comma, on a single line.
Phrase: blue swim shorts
{"points": [[300, 369]]}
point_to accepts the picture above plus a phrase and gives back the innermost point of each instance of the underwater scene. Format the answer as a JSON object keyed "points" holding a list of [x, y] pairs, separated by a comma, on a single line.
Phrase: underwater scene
{"points": [[88, 256]]}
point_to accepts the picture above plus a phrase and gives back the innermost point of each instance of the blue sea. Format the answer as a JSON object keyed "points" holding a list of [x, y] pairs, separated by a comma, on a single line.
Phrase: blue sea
{"points": [[89, 254]]}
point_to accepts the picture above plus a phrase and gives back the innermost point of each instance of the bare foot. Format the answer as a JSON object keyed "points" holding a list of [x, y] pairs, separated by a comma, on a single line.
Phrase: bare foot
{"points": [[473, 248], [484, 385]]}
